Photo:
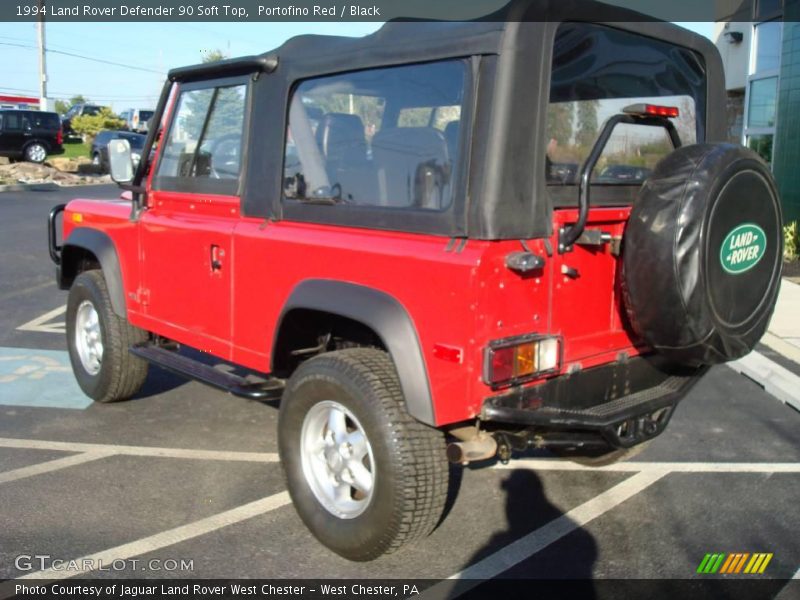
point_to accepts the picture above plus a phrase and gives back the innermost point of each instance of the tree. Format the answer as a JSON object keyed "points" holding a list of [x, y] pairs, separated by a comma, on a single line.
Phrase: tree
{"points": [[228, 108], [62, 106], [560, 116], [210, 56], [91, 125], [587, 123]]}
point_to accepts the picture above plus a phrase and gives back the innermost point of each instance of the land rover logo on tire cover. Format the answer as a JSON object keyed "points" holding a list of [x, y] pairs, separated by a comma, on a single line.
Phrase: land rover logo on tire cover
{"points": [[742, 248]]}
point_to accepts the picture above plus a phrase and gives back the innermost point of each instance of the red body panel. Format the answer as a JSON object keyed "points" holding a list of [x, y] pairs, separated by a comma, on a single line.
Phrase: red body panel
{"points": [[458, 301]]}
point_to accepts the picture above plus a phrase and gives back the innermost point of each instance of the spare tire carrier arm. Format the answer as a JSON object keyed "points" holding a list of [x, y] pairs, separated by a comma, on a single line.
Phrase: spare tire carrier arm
{"points": [[569, 235]]}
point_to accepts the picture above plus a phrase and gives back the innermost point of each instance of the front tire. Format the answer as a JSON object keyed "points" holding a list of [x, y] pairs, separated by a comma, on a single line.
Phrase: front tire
{"points": [[98, 341], [364, 476]]}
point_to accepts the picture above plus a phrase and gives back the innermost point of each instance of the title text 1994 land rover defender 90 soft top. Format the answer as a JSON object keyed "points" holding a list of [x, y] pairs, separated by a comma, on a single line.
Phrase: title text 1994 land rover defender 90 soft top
{"points": [[442, 240]]}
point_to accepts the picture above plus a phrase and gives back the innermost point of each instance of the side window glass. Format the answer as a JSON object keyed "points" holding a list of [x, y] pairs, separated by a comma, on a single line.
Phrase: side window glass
{"points": [[383, 137], [12, 122], [205, 139]]}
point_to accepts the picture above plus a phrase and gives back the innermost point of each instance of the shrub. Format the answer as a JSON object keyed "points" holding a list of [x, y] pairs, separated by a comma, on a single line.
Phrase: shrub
{"points": [[791, 241], [91, 125]]}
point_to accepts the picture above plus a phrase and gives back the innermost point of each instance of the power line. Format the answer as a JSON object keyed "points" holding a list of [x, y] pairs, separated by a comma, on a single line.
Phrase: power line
{"points": [[68, 95], [98, 60]]}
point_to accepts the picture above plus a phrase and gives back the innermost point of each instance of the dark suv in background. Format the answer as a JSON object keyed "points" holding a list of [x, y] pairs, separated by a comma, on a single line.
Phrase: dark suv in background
{"points": [[30, 134]]}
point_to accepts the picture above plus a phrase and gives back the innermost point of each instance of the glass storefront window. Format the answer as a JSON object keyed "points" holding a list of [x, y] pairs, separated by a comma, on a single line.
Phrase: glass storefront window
{"points": [[761, 109], [767, 54], [762, 145]]}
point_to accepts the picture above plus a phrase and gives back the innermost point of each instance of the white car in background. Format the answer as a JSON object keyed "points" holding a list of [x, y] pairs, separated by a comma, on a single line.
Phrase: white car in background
{"points": [[136, 119]]}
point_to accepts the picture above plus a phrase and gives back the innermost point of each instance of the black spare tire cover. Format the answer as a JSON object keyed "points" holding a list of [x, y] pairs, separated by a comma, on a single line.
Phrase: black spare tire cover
{"points": [[702, 254]]}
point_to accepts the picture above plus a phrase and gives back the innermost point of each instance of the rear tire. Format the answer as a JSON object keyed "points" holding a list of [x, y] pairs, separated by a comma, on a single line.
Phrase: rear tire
{"points": [[35, 153], [362, 498], [98, 341]]}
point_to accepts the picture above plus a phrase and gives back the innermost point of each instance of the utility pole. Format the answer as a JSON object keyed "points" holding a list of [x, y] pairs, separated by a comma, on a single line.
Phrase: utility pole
{"points": [[42, 59]]}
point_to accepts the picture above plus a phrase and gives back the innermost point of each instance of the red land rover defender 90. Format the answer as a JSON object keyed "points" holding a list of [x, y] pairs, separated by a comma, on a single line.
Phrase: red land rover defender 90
{"points": [[442, 240]]}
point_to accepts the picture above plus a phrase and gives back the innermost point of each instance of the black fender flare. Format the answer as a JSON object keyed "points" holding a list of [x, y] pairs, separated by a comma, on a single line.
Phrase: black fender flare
{"points": [[101, 245], [386, 317]]}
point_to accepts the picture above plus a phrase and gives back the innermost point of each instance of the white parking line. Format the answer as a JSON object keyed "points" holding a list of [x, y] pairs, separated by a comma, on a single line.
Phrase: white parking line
{"points": [[167, 538], [51, 465], [528, 545], [637, 467], [42, 324], [268, 457]]}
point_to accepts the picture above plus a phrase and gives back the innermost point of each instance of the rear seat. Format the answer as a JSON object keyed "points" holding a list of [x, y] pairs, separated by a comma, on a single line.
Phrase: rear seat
{"points": [[342, 142], [413, 167]]}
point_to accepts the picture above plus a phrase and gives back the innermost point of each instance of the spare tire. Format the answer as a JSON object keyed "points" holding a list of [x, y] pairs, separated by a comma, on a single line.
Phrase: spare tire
{"points": [[702, 254]]}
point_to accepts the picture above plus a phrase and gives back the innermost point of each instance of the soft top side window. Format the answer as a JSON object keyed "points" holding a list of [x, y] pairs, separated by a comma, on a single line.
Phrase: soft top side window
{"points": [[384, 137], [203, 148]]}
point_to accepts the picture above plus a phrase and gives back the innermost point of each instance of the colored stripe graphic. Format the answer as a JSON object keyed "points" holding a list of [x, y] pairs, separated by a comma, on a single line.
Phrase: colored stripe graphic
{"points": [[734, 563], [764, 564], [727, 565], [704, 563], [711, 563]]}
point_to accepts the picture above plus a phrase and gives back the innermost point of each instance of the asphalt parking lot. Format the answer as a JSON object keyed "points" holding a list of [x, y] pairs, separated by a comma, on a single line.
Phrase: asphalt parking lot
{"points": [[186, 476]]}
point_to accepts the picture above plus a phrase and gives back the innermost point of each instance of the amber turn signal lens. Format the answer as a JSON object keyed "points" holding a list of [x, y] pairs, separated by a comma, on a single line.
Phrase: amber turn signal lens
{"points": [[525, 360]]}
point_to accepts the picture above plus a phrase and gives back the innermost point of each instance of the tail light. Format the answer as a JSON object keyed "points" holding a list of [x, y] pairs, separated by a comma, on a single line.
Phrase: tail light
{"points": [[60, 136], [514, 360]]}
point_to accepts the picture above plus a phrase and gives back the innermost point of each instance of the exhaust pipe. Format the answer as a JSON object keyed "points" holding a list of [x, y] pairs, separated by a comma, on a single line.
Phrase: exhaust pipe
{"points": [[480, 448]]}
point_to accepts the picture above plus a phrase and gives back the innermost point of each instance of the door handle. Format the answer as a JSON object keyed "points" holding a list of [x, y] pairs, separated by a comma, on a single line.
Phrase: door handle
{"points": [[216, 258]]}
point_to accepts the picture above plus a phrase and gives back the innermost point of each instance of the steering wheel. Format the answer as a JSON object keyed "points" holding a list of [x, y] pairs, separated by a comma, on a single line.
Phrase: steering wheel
{"points": [[225, 156]]}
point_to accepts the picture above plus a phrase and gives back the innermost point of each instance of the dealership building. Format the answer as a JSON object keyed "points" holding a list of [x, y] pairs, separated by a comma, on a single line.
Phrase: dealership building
{"points": [[760, 46]]}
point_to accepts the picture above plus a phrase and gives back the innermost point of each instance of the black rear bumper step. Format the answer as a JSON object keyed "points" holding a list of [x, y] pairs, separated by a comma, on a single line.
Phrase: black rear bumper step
{"points": [[623, 421], [194, 369], [601, 415]]}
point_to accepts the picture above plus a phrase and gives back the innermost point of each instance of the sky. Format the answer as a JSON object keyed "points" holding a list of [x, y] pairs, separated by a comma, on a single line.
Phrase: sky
{"points": [[152, 48]]}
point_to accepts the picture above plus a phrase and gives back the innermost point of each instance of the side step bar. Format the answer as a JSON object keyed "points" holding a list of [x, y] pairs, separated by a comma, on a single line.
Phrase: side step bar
{"points": [[194, 369]]}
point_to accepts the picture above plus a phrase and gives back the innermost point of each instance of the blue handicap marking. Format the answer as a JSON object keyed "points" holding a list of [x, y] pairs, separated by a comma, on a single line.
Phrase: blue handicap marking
{"points": [[40, 378]]}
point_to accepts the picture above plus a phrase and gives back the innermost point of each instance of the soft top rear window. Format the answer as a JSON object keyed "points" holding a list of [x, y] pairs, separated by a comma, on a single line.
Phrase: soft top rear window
{"points": [[596, 72]]}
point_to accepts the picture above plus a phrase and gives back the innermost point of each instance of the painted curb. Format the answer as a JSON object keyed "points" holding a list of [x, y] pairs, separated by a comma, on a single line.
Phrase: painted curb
{"points": [[775, 379], [30, 187], [47, 187]]}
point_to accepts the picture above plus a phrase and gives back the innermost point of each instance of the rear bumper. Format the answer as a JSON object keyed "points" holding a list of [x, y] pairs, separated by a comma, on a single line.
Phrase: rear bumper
{"points": [[625, 403]]}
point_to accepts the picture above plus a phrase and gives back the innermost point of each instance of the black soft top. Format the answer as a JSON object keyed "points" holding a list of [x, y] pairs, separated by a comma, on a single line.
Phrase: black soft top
{"points": [[398, 42], [505, 194]]}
